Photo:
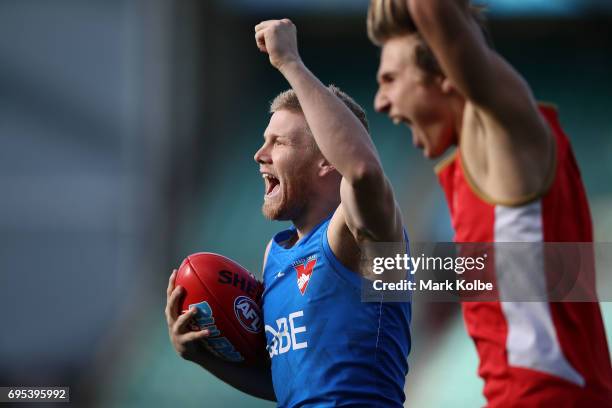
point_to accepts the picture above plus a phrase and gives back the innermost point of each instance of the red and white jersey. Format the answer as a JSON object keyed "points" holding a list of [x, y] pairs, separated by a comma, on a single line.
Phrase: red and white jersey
{"points": [[533, 354]]}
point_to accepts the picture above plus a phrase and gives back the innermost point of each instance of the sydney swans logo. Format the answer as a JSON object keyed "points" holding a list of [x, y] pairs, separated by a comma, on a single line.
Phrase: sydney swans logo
{"points": [[304, 268]]}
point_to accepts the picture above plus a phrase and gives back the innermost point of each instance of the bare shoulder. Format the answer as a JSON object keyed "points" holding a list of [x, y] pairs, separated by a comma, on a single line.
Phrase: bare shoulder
{"points": [[346, 244], [506, 162]]}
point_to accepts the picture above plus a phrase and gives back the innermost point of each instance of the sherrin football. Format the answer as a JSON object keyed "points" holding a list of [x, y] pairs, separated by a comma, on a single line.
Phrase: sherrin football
{"points": [[227, 298]]}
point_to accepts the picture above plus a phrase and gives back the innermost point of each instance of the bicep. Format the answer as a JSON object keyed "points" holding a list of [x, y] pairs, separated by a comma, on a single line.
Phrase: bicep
{"points": [[370, 211], [517, 140], [513, 158], [478, 73], [456, 41], [507, 99]]}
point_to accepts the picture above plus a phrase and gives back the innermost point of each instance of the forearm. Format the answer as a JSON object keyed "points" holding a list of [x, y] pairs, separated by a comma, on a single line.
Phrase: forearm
{"points": [[341, 137], [457, 43], [436, 7], [252, 380]]}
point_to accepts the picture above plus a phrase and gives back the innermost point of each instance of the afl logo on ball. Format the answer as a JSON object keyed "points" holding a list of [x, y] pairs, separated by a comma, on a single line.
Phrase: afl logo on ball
{"points": [[248, 314]]}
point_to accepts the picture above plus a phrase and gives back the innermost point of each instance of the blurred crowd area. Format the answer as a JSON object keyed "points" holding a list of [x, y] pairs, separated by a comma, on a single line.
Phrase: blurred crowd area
{"points": [[127, 133]]}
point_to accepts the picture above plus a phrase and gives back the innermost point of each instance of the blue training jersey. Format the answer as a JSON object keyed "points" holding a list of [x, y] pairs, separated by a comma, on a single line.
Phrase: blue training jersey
{"points": [[328, 348]]}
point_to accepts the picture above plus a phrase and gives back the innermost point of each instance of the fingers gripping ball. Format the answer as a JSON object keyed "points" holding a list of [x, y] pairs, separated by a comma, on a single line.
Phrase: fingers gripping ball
{"points": [[227, 299]]}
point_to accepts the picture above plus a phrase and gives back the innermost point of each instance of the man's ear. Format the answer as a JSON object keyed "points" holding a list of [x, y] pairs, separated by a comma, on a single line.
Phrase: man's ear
{"points": [[446, 85], [325, 167]]}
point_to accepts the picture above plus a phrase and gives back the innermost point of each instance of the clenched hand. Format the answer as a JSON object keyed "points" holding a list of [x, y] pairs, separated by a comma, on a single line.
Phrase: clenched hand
{"points": [[278, 39]]}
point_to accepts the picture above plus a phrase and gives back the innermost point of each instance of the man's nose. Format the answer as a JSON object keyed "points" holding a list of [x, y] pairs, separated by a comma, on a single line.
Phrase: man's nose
{"points": [[381, 102], [261, 156]]}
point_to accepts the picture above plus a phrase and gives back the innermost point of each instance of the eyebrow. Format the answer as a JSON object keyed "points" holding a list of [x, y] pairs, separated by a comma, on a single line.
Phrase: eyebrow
{"points": [[384, 74], [274, 135]]}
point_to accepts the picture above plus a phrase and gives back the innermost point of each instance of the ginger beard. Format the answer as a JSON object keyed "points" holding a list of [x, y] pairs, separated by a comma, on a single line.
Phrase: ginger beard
{"points": [[287, 193]]}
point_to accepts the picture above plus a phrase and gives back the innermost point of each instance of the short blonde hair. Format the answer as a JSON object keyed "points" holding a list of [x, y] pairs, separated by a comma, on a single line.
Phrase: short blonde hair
{"points": [[391, 18], [288, 100]]}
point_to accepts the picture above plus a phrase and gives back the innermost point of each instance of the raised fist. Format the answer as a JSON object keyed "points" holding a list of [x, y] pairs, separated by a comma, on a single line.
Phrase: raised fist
{"points": [[278, 39]]}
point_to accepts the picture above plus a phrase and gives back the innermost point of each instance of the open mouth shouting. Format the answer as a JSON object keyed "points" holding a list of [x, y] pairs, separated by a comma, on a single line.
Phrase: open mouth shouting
{"points": [[272, 185]]}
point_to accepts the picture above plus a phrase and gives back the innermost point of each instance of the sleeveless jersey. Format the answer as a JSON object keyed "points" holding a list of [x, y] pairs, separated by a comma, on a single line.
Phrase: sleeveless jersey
{"points": [[533, 353], [327, 347]]}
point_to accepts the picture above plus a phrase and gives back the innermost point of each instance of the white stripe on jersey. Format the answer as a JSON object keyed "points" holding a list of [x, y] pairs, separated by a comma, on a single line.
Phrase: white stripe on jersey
{"points": [[532, 340]]}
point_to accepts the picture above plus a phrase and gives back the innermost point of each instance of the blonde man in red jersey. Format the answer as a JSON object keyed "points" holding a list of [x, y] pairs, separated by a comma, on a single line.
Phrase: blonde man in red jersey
{"points": [[513, 178]]}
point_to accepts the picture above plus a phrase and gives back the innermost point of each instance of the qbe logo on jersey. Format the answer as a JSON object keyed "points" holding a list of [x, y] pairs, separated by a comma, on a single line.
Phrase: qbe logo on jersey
{"points": [[248, 314], [288, 335]]}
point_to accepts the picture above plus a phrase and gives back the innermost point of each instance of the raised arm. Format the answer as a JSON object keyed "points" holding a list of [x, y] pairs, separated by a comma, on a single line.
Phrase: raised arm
{"points": [[476, 70], [368, 206], [517, 142]]}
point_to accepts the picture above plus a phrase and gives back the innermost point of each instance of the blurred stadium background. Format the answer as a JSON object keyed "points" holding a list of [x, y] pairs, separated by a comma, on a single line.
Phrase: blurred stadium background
{"points": [[127, 131]]}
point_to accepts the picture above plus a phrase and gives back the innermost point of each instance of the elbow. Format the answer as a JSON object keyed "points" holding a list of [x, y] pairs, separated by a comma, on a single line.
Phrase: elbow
{"points": [[366, 173]]}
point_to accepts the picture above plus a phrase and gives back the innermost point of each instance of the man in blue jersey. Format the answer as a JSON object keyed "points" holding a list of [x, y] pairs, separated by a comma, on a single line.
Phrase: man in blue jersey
{"points": [[322, 173]]}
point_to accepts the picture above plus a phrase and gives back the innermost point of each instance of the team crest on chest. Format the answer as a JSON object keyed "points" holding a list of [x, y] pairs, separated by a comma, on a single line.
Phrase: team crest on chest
{"points": [[304, 267]]}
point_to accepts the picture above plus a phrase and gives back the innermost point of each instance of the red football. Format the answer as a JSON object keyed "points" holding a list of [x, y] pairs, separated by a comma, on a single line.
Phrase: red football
{"points": [[227, 297]]}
